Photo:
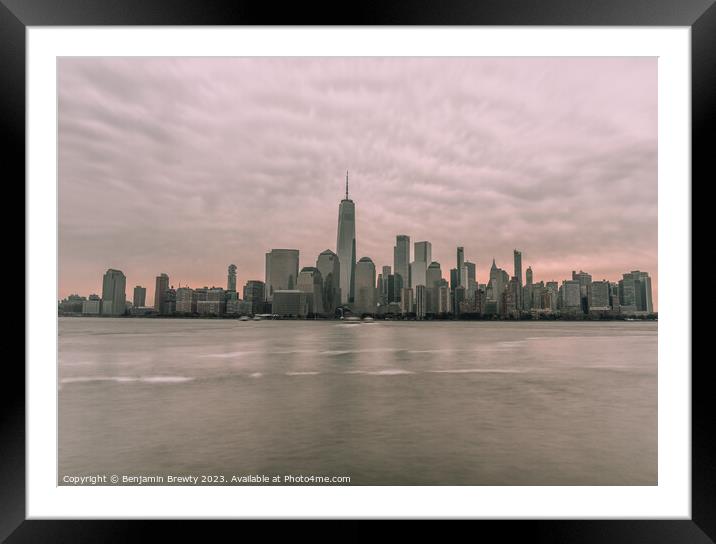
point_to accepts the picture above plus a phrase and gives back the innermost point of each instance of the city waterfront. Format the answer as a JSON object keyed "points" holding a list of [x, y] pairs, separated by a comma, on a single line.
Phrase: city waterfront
{"points": [[383, 403]]}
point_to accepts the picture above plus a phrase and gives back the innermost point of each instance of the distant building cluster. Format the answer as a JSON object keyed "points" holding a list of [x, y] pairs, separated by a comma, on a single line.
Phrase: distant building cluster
{"points": [[339, 284]]}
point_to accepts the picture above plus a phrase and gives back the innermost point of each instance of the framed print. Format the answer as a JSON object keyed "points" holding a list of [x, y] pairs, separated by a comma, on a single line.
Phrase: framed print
{"points": [[402, 267]]}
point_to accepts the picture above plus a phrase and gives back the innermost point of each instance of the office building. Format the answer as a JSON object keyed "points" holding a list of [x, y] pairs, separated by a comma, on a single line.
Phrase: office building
{"points": [[599, 296], [346, 247], [365, 281], [231, 278], [114, 296], [290, 303], [518, 278], [160, 287], [311, 282], [401, 259], [185, 301], [254, 296], [329, 266], [139, 299], [407, 303], [420, 301], [281, 271]]}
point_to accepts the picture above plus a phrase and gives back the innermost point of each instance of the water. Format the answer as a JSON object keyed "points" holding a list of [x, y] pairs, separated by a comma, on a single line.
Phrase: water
{"points": [[385, 403]]}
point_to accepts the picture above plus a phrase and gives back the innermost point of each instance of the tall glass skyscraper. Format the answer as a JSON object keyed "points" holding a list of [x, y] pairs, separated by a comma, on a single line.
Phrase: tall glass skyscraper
{"points": [[113, 292], [346, 246], [365, 286], [160, 288], [401, 258], [518, 275], [330, 268], [281, 271]]}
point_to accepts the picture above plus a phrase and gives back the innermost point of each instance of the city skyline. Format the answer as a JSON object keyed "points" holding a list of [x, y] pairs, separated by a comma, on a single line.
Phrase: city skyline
{"points": [[591, 207]]}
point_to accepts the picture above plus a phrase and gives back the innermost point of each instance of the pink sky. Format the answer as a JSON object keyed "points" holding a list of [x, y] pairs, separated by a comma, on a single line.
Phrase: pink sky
{"points": [[186, 165]]}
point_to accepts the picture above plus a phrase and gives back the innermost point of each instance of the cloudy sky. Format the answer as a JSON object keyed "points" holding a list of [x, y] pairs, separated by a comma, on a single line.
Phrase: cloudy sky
{"points": [[187, 165]]}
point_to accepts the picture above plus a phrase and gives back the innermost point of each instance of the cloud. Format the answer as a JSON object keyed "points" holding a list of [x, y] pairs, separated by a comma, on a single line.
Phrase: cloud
{"points": [[185, 165]]}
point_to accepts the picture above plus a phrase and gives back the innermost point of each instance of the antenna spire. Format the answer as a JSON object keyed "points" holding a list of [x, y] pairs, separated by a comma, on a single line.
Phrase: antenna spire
{"points": [[346, 184]]}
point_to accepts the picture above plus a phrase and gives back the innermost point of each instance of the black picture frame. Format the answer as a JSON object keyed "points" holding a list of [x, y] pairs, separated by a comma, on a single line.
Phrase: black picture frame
{"points": [[699, 15]]}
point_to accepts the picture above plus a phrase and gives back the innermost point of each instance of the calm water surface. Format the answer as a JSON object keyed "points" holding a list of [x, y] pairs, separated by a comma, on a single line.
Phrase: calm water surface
{"points": [[394, 403]]}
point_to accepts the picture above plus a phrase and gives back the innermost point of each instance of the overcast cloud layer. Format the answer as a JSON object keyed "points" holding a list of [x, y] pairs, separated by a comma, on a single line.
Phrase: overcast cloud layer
{"points": [[187, 165]]}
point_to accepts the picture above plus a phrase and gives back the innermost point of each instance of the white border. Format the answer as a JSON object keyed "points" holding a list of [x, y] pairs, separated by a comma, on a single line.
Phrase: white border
{"points": [[671, 498]]}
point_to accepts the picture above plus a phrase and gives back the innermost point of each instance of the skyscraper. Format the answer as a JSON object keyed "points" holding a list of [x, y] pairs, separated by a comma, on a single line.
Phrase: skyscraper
{"points": [[518, 276], [599, 296], [401, 258], [310, 281], [461, 270], [423, 258], [420, 302], [231, 281], [281, 270], [571, 296], [635, 292], [585, 287], [528, 275], [433, 279], [496, 287], [346, 246], [254, 296], [365, 286], [330, 268], [140, 297], [160, 289], [114, 298]]}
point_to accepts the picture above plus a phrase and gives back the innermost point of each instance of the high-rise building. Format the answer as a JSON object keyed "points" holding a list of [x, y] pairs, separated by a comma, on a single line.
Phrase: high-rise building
{"points": [[424, 252], [512, 297], [407, 304], [140, 296], [401, 259], [528, 275], [395, 287], [364, 286], [185, 301], [281, 270], [170, 301], [635, 292], [433, 278], [571, 296], [310, 281], [346, 246], [417, 273], [214, 303], [496, 288], [160, 288], [585, 286], [420, 301], [329, 266], [461, 270], [418, 268], [443, 297], [471, 277], [254, 295], [518, 277], [384, 285], [599, 296], [114, 298], [231, 279]]}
